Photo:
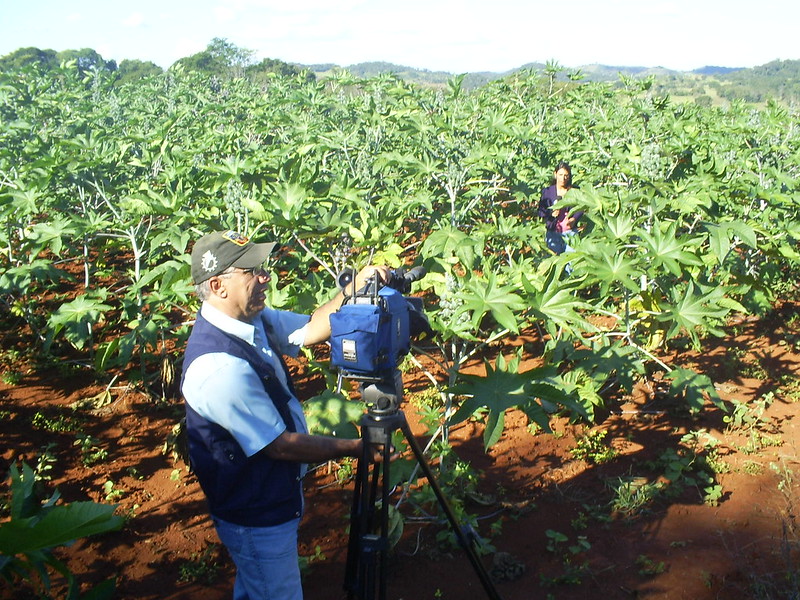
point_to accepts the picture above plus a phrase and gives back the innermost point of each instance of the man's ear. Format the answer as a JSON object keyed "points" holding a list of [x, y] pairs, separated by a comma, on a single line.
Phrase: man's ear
{"points": [[217, 287]]}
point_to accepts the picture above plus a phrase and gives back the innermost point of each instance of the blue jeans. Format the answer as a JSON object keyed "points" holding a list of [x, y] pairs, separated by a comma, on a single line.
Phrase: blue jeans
{"points": [[558, 243], [266, 560]]}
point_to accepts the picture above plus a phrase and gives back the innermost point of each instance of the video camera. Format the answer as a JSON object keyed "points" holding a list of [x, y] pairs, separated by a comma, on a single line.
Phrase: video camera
{"points": [[372, 332]]}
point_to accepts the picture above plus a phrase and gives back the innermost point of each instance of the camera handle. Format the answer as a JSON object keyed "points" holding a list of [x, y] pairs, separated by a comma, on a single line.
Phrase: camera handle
{"points": [[368, 546]]}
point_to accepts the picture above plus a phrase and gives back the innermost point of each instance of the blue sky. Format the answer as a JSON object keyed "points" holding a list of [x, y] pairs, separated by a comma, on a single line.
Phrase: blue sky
{"points": [[454, 36]]}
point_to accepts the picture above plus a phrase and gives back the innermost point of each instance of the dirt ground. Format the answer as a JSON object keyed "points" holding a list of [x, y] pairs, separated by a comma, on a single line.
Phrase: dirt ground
{"points": [[531, 484]]}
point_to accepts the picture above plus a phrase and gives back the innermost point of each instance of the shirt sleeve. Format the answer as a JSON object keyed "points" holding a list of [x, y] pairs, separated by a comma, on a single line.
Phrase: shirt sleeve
{"points": [[227, 391], [289, 328]]}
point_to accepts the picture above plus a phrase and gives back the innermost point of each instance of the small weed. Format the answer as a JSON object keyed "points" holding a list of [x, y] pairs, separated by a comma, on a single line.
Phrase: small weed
{"points": [[201, 567], [757, 441], [557, 543], [648, 567], [346, 470], [580, 522], [633, 494], [593, 449], [689, 466], [790, 387], [752, 467], [555, 539], [91, 452], [305, 561], [534, 428], [11, 377], [745, 417], [716, 463], [496, 528], [9, 360], [58, 424], [754, 370], [112, 493], [134, 473], [44, 463], [427, 398]]}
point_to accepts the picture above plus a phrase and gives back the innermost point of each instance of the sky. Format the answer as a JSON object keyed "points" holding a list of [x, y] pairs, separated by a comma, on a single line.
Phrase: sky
{"points": [[438, 35]]}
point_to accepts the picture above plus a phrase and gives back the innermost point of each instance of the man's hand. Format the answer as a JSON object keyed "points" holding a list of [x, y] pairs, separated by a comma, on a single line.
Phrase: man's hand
{"points": [[383, 272], [375, 453]]}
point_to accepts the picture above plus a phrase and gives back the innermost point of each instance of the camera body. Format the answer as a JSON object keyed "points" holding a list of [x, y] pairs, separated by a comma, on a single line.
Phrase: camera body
{"points": [[371, 332]]}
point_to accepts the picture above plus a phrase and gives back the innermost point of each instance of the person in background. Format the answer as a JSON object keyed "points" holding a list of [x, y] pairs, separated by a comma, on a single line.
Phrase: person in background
{"points": [[559, 222], [247, 436]]}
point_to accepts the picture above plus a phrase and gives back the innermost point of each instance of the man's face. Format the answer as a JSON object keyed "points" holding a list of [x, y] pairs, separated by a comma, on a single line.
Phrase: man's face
{"points": [[245, 292], [562, 178]]}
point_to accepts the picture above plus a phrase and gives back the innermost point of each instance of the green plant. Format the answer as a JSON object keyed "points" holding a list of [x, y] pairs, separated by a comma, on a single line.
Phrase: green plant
{"points": [[592, 448], [632, 494], [11, 377], [752, 467], [110, 492], [91, 453], [558, 544], [345, 470], [202, 567], [59, 424], [790, 387], [647, 567], [45, 460], [38, 526], [745, 417], [306, 561]]}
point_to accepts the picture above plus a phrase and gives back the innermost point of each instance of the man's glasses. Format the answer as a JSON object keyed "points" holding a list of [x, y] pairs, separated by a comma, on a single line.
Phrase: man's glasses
{"points": [[261, 271]]}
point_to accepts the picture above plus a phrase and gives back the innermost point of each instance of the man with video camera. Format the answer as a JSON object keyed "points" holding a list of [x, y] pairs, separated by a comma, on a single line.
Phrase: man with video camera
{"points": [[248, 440]]}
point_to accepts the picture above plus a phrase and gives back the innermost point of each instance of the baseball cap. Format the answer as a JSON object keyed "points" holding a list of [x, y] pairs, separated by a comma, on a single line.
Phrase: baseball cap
{"points": [[217, 251]]}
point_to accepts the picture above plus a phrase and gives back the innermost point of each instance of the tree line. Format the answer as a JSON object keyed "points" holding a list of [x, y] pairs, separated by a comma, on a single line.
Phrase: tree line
{"points": [[220, 58], [777, 80]]}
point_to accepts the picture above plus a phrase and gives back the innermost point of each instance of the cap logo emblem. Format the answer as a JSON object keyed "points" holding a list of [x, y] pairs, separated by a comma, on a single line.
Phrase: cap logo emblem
{"points": [[236, 238], [209, 262]]}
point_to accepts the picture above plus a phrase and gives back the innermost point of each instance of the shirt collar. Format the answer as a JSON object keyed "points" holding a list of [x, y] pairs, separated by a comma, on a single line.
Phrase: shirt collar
{"points": [[234, 327]]}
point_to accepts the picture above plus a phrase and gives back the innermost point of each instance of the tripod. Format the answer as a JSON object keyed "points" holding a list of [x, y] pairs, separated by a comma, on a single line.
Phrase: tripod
{"points": [[368, 546]]}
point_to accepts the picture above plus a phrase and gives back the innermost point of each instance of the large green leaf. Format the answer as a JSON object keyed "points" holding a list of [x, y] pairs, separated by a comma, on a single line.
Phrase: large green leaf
{"points": [[609, 265], [487, 296], [694, 388], [76, 317], [333, 414], [61, 525], [693, 309], [557, 301], [664, 249]]}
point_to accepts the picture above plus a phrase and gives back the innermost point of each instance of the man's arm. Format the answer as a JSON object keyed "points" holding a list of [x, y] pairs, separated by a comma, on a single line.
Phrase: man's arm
{"points": [[305, 448]]}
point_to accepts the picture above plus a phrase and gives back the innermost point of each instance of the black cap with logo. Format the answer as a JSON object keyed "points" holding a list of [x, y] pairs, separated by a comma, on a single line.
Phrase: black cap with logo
{"points": [[215, 252]]}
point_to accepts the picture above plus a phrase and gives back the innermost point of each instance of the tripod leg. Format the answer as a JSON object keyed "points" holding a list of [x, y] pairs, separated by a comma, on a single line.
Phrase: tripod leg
{"points": [[360, 516], [367, 550], [465, 543]]}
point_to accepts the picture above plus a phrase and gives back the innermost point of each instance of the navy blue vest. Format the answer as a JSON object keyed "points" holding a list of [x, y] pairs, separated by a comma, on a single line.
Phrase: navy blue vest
{"points": [[253, 491]]}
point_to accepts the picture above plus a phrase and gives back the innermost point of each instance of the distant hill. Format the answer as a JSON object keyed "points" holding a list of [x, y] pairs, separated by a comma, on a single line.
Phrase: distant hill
{"points": [[710, 84], [716, 70], [594, 72]]}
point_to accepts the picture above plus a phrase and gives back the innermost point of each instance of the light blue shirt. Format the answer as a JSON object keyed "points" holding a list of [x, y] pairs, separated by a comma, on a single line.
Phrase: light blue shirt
{"points": [[227, 391]]}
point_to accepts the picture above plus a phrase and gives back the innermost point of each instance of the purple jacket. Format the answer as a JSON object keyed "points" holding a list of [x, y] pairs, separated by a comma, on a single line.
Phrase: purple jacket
{"points": [[549, 197]]}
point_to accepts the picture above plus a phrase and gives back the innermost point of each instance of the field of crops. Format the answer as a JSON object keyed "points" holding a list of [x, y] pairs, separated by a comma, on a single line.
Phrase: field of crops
{"points": [[692, 221]]}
